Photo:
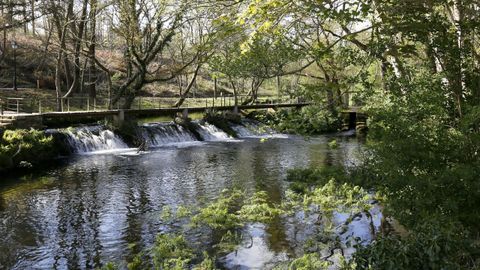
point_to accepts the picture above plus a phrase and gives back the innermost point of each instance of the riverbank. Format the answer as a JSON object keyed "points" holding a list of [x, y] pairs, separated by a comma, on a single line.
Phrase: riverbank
{"points": [[23, 149]]}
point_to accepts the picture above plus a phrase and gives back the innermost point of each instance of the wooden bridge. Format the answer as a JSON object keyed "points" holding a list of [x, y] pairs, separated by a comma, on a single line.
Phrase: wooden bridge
{"points": [[18, 119]]}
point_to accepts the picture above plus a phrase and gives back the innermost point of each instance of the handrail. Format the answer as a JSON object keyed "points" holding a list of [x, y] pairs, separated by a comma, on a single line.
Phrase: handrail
{"points": [[73, 104]]}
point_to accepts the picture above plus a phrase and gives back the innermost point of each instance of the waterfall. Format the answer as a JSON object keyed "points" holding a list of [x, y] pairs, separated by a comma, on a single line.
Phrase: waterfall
{"points": [[254, 129], [161, 134], [158, 134], [91, 139], [209, 132], [98, 139]]}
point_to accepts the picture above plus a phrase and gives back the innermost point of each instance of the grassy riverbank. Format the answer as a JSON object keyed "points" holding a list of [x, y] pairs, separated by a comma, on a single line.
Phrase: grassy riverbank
{"points": [[25, 148]]}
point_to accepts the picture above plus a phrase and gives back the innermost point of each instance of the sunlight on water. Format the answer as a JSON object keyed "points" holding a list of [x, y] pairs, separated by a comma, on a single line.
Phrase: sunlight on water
{"points": [[89, 210]]}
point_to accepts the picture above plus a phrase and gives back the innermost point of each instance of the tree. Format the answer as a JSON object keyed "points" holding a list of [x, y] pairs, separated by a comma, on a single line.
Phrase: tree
{"points": [[146, 28], [264, 57]]}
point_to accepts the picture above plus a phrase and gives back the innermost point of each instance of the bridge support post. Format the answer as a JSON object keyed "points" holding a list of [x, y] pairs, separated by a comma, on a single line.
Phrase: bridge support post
{"points": [[185, 113], [119, 119], [235, 110]]}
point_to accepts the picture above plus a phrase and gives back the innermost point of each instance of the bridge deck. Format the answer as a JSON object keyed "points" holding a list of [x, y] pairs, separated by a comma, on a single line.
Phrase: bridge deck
{"points": [[74, 116]]}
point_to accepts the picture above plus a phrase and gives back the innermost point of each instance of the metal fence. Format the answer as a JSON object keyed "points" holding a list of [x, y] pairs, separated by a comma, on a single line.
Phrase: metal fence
{"points": [[75, 104]]}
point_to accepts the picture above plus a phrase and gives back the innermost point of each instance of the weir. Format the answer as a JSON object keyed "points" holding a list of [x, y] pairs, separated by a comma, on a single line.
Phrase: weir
{"points": [[98, 138]]}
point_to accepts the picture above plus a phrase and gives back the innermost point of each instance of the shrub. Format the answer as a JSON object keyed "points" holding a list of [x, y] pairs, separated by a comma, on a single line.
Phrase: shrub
{"points": [[25, 147]]}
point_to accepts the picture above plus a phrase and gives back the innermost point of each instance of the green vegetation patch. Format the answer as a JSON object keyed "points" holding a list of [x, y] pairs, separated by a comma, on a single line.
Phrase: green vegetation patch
{"points": [[25, 148], [308, 120]]}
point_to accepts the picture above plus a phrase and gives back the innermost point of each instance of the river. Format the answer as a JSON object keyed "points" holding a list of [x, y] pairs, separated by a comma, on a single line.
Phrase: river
{"points": [[94, 208]]}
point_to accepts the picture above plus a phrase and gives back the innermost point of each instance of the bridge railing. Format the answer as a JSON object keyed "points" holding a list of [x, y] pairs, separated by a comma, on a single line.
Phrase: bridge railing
{"points": [[75, 104], [11, 105]]}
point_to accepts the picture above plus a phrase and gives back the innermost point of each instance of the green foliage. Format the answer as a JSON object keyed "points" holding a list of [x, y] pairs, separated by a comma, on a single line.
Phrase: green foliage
{"points": [[226, 216], [137, 263], [306, 121], [232, 210], [221, 214], [208, 263], [258, 209], [333, 144], [171, 252], [423, 162], [183, 212], [431, 245], [166, 213], [109, 266], [334, 197], [309, 262], [262, 58], [25, 146], [303, 179]]}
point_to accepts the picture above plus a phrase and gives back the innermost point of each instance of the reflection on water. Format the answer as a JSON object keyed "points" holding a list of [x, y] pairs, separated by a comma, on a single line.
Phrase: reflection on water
{"points": [[90, 210]]}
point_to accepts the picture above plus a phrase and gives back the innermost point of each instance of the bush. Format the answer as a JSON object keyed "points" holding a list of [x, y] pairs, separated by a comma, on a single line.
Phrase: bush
{"points": [[25, 147], [424, 161], [436, 244], [306, 121]]}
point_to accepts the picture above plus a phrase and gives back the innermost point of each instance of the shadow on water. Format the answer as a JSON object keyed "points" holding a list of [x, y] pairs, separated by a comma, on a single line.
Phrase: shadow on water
{"points": [[101, 208]]}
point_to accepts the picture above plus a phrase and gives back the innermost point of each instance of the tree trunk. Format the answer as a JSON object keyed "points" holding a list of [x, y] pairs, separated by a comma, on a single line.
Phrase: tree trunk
{"points": [[32, 13], [190, 85], [329, 83], [460, 82], [279, 88], [4, 33], [61, 27], [92, 90], [234, 91], [215, 88], [25, 19], [58, 82], [78, 47]]}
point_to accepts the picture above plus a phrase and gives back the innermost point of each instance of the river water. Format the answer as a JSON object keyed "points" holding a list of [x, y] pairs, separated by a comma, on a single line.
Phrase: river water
{"points": [[91, 209]]}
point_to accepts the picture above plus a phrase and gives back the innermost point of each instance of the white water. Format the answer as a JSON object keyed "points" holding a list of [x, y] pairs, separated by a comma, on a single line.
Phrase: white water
{"points": [[99, 140], [210, 132], [159, 134], [93, 139], [253, 129]]}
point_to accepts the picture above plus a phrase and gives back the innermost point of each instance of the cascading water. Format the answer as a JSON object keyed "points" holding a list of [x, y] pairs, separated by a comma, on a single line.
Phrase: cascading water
{"points": [[98, 139], [91, 139], [209, 132], [158, 134], [253, 129]]}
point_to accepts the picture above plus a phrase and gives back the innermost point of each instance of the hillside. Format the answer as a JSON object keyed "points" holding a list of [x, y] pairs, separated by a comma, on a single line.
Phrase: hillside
{"points": [[36, 74]]}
